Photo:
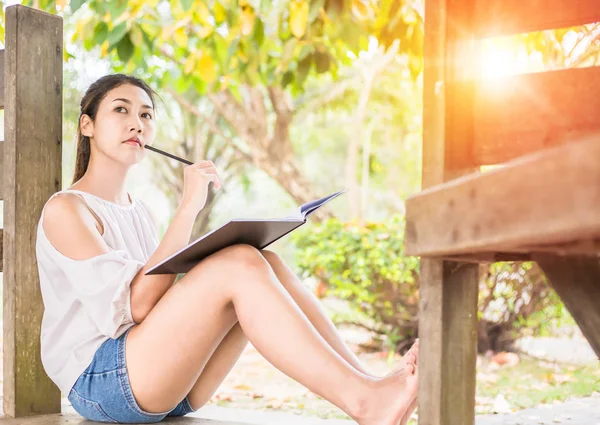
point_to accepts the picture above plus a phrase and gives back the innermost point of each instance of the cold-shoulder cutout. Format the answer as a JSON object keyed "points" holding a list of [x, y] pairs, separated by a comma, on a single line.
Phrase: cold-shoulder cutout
{"points": [[73, 228]]}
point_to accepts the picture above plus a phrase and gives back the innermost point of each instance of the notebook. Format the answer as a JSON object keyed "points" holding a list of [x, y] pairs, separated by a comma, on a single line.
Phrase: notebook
{"points": [[258, 233]]}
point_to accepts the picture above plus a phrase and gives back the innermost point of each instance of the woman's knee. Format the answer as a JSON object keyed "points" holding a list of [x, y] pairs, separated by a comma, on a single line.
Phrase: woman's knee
{"points": [[240, 258], [270, 256]]}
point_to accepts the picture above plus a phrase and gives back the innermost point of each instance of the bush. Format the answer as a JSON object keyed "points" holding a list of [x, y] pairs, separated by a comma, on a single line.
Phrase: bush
{"points": [[515, 299], [366, 265]]}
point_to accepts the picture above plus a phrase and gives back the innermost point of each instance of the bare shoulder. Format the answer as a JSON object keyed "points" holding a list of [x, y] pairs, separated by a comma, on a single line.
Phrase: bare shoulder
{"points": [[71, 228]]}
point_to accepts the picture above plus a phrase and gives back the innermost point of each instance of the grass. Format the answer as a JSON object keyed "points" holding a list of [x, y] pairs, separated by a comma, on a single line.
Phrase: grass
{"points": [[527, 384], [533, 382]]}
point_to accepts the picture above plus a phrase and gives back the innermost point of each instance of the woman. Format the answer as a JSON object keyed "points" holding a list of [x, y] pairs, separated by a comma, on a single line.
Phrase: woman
{"points": [[132, 348]]}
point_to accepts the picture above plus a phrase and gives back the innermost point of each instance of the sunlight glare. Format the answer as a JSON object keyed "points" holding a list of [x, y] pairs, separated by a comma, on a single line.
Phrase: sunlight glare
{"points": [[498, 59]]}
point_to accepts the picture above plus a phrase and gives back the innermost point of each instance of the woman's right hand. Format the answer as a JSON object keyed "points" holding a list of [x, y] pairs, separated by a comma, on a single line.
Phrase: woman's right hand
{"points": [[196, 178]]}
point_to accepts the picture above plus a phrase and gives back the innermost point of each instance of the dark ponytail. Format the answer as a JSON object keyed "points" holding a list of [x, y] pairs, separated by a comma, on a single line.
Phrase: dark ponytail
{"points": [[89, 106]]}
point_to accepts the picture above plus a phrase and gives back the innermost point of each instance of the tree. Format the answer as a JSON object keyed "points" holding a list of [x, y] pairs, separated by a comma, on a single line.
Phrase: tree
{"points": [[247, 57]]}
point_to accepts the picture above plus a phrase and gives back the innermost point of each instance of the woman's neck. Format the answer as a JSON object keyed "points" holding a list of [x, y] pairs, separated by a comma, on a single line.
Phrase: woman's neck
{"points": [[106, 181]]}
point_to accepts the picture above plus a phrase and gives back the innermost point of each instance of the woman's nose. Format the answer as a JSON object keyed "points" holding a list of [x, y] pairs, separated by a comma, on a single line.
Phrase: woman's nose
{"points": [[136, 126]]}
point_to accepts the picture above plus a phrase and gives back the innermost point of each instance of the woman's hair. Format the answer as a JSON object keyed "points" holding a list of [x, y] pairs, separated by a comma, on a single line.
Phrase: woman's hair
{"points": [[89, 106]]}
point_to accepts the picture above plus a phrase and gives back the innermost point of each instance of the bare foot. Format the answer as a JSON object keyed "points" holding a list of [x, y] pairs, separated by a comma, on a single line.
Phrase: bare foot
{"points": [[410, 357], [389, 399], [414, 354]]}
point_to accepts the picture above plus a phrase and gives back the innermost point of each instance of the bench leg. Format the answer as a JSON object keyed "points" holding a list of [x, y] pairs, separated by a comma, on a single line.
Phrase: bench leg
{"points": [[448, 342], [577, 281]]}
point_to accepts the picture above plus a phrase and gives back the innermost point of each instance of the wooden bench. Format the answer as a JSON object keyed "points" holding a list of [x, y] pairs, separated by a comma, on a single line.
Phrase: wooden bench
{"points": [[542, 204]]}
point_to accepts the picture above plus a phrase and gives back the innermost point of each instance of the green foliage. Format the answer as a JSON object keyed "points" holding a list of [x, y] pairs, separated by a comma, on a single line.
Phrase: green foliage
{"points": [[365, 264], [518, 298], [215, 44]]}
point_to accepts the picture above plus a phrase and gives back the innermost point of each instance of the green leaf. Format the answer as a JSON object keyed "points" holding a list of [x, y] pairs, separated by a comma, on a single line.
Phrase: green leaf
{"points": [[149, 42], [305, 50], [288, 77], [116, 8], [117, 34], [76, 4], [200, 85], [219, 46], [232, 50], [187, 4], [351, 37], [259, 32], [99, 7], [100, 32], [182, 84], [315, 8], [137, 38], [219, 12], [125, 49], [303, 69], [322, 62]]}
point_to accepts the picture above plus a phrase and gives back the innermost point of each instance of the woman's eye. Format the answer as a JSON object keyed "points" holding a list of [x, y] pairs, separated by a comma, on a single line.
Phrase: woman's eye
{"points": [[120, 107], [149, 116]]}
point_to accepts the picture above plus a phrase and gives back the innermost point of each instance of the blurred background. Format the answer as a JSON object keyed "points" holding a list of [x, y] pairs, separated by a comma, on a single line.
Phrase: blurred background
{"points": [[296, 99]]}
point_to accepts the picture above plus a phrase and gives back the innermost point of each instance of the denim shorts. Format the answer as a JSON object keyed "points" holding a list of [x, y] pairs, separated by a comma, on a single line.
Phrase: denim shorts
{"points": [[102, 393]]}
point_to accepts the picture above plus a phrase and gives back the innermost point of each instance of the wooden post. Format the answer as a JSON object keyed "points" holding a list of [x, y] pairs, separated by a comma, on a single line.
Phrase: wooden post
{"points": [[577, 281], [448, 290], [32, 172]]}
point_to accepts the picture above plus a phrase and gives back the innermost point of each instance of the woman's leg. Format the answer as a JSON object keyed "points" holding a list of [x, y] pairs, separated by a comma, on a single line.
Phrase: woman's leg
{"points": [[218, 367], [312, 309], [167, 352], [228, 352]]}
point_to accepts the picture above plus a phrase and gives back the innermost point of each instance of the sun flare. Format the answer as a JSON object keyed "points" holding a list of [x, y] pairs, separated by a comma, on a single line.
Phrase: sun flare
{"points": [[497, 58]]}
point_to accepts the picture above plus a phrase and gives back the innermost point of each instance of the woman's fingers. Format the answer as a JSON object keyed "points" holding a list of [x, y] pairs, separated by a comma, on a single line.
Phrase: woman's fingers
{"points": [[212, 176], [208, 167], [203, 164]]}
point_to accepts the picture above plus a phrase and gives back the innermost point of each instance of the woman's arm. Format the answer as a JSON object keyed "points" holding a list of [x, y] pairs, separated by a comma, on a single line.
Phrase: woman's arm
{"points": [[146, 291], [85, 241]]}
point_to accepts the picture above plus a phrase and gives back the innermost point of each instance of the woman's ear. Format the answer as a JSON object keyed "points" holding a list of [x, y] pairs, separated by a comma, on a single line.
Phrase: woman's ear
{"points": [[86, 125]]}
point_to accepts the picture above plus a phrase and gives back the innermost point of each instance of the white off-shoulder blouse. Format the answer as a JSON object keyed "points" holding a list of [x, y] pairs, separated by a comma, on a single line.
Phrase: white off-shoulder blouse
{"points": [[87, 301]]}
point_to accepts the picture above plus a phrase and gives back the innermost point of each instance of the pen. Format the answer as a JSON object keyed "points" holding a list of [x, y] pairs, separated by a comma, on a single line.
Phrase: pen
{"points": [[185, 161]]}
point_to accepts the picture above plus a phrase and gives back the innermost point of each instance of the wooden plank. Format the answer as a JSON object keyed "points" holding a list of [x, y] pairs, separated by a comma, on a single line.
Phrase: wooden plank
{"points": [[32, 172], [577, 281], [547, 198], [488, 257], [448, 338], [74, 419], [448, 290], [505, 17], [526, 113], [1, 170], [2, 79]]}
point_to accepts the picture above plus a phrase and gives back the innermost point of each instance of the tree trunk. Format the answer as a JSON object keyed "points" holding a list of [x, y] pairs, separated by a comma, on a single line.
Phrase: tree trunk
{"points": [[272, 153], [356, 135]]}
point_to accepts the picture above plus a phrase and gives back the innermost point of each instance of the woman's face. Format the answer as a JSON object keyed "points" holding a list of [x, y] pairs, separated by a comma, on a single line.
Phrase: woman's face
{"points": [[124, 124]]}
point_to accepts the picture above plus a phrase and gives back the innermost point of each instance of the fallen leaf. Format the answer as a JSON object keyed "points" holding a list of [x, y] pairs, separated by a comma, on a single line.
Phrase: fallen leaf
{"points": [[243, 387], [500, 405]]}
